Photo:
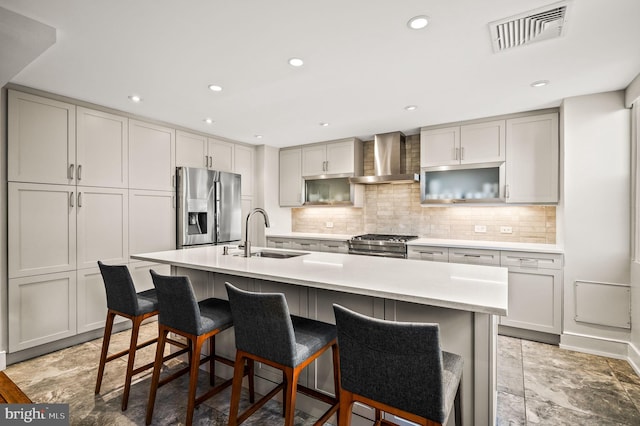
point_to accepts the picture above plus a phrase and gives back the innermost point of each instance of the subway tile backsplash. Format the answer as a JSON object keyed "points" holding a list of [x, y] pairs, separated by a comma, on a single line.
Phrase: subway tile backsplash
{"points": [[396, 209]]}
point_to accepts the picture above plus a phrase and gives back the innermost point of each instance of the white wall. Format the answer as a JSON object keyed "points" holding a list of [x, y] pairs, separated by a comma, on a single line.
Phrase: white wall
{"points": [[595, 207]]}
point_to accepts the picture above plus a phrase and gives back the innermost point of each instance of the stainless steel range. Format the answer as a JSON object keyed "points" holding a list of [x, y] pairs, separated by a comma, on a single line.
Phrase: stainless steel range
{"points": [[384, 245]]}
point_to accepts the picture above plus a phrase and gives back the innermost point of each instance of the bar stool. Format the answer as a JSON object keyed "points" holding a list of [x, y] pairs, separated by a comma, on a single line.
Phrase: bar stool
{"points": [[123, 300], [396, 367], [266, 333], [182, 314]]}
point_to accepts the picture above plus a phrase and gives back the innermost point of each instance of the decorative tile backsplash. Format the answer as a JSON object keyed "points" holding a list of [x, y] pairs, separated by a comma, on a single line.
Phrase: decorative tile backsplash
{"points": [[396, 209]]}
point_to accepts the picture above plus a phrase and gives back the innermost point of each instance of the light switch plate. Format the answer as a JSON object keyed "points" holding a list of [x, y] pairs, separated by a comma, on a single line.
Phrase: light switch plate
{"points": [[506, 230], [329, 224], [480, 228]]}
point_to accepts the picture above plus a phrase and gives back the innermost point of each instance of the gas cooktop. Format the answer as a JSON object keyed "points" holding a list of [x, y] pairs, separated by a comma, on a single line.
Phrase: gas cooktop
{"points": [[385, 237]]}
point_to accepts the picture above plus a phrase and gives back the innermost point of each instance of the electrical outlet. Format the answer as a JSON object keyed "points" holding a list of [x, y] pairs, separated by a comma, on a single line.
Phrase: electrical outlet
{"points": [[506, 230], [480, 228], [329, 224]]}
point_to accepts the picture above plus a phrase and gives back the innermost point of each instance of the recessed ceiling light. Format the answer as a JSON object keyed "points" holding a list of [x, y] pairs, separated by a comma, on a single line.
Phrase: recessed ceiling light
{"points": [[257, 136], [208, 120], [215, 88], [540, 83], [418, 22], [135, 98], [296, 62], [411, 107], [324, 124]]}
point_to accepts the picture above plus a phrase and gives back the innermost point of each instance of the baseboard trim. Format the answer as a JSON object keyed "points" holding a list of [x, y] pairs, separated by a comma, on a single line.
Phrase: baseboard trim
{"points": [[634, 358], [3, 361], [612, 348]]}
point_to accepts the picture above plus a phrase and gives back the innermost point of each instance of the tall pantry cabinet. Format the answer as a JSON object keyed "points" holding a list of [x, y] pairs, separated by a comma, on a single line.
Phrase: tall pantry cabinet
{"points": [[68, 206]]}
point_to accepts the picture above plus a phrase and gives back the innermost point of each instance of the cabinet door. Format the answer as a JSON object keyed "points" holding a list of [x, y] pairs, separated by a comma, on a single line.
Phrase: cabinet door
{"points": [[141, 276], [314, 160], [102, 226], [280, 243], [102, 149], [482, 142], [41, 140], [91, 301], [42, 235], [243, 165], [221, 154], [340, 157], [191, 150], [534, 300], [152, 221], [532, 159], [290, 177], [308, 245], [440, 147], [151, 156], [474, 256], [42, 309]]}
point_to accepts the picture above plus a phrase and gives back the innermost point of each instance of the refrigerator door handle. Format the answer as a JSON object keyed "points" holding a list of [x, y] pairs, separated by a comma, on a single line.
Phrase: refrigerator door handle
{"points": [[216, 224]]}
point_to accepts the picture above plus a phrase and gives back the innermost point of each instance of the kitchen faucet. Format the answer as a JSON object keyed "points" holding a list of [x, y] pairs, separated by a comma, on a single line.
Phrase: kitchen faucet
{"points": [[246, 244]]}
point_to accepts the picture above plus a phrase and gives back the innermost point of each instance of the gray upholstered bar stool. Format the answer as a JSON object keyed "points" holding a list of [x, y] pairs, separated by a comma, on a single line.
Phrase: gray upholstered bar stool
{"points": [[182, 314], [396, 367], [266, 333], [123, 300]]}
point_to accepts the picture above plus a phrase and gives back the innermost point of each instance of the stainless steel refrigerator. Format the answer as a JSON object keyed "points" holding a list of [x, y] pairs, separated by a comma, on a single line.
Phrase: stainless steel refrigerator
{"points": [[209, 207]]}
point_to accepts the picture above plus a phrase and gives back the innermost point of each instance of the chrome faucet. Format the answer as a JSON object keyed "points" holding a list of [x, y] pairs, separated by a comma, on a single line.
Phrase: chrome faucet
{"points": [[246, 245]]}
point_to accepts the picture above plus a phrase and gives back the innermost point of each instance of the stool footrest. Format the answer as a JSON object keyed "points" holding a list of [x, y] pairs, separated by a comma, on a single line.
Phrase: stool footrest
{"points": [[244, 416], [126, 351]]}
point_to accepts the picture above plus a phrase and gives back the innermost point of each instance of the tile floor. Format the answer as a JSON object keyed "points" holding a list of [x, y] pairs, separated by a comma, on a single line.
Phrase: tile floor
{"points": [[538, 384]]}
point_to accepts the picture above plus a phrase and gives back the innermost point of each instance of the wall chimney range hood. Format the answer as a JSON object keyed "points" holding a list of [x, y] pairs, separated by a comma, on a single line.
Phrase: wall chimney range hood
{"points": [[389, 161]]}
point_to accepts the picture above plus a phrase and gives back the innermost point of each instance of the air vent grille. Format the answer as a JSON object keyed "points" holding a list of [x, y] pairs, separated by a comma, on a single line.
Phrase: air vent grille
{"points": [[536, 25]]}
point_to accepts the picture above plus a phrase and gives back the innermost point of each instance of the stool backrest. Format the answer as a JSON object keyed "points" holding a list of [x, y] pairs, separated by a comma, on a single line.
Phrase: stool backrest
{"points": [[263, 325], [121, 292], [396, 363], [177, 304]]}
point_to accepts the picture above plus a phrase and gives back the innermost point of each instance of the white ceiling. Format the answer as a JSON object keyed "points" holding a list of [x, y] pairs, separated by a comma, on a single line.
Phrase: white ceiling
{"points": [[362, 64]]}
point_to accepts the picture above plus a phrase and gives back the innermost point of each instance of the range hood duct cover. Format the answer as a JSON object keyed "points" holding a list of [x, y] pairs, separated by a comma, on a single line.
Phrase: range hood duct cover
{"points": [[388, 159]]}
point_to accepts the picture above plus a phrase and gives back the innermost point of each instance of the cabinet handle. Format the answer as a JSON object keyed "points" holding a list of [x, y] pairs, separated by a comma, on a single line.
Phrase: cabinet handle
{"points": [[455, 153], [211, 161], [71, 167], [79, 198], [462, 153], [472, 255], [71, 197], [206, 161], [79, 171]]}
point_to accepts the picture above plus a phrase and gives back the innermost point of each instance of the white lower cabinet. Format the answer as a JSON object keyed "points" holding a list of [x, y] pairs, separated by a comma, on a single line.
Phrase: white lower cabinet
{"points": [[42, 309], [334, 246], [535, 291], [329, 246], [91, 301], [474, 257], [282, 243], [309, 245]]}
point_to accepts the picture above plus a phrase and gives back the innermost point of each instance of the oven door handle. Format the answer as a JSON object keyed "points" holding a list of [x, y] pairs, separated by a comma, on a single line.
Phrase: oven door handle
{"points": [[380, 254]]}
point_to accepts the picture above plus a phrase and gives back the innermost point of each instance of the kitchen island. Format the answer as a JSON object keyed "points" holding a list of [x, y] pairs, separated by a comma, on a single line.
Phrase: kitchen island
{"points": [[464, 299]]}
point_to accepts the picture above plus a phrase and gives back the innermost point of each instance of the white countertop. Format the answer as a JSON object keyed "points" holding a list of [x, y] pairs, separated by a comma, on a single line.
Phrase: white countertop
{"points": [[472, 288], [489, 245]]}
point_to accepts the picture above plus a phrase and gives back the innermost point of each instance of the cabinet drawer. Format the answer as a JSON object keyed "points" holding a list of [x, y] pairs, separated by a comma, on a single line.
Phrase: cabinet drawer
{"points": [[334, 246], [531, 260], [278, 242], [305, 245], [436, 254], [476, 257]]}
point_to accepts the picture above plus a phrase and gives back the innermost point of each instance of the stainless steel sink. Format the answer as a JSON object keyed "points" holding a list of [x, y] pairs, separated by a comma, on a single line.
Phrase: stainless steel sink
{"points": [[278, 254]]}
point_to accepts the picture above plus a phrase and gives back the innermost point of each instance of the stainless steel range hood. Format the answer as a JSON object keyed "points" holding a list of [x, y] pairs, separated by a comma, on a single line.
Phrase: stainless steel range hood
{"points": [[389, 160]]}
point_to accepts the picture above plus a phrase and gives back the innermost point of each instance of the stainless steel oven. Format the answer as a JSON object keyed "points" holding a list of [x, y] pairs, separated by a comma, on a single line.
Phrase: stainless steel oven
{"points": [[384, 245]]}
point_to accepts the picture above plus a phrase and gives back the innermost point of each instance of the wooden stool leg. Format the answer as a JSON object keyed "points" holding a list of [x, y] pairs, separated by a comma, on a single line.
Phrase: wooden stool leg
{"points": [[133, 345], [336, 375], [105, 348], [212, 361], [290, 392], [236, 388], [252, 393], [157, 366], [346, 403], [193, 377]]}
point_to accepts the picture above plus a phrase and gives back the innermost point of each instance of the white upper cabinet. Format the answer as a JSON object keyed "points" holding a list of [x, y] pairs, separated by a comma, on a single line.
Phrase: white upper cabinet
{"points": [[152, 221], [468, 144], [291, 177], [244, 165], [151, 156], [221, 155], [102, 151], [340, 157], [532, 159], [41, 140], [191, 150]]}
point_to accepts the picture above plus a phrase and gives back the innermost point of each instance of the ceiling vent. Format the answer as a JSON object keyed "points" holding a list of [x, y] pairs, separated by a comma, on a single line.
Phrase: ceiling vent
{"points": [[535, 25]]}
